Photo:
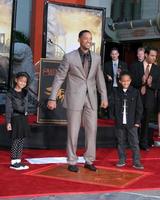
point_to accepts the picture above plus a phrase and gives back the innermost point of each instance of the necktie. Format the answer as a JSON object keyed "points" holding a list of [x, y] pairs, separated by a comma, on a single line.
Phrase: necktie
{"points": [[86, 64], [115, 68], [146, 73]]}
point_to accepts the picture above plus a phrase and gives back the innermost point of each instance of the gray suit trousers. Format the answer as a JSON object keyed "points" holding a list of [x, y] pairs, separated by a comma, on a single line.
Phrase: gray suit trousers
{"points": [[88, 117]]}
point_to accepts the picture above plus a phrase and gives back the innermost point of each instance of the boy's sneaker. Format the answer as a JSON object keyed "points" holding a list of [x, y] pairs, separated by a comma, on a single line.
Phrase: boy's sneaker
{"points": [[19, 166], [138, 166], [121, 163]]}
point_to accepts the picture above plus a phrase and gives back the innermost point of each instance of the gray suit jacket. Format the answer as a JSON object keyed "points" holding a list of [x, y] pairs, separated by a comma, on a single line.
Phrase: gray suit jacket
{"points": [[77, 84]]}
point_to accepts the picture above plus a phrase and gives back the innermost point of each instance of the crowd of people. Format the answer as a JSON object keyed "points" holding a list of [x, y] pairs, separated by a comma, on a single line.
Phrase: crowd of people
{"points": [[144, 76], [130, 93]]}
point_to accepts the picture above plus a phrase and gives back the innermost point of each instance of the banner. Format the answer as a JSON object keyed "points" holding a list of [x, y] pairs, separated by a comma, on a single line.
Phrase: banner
{"points": [[6, 21], [44, 115]]}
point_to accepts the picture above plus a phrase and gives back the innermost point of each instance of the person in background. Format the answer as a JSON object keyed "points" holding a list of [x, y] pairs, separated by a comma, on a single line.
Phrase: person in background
{"points": [[158, 106], [16, 118], [112, 70], [140, 54], [127, 110], [145, 77], [140, 58], [158, 99], [82, 71]]}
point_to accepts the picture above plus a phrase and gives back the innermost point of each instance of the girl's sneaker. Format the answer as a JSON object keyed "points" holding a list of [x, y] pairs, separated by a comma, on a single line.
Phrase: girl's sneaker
{"points": [[19, 166]]}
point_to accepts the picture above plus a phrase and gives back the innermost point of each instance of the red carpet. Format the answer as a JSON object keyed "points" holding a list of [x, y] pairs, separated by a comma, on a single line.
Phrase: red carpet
{"points": [[42, 180]]}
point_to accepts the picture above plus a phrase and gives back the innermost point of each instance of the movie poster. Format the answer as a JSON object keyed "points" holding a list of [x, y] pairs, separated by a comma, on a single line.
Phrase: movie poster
{"points": [[44, 115], [6, 9], [63, 23]]}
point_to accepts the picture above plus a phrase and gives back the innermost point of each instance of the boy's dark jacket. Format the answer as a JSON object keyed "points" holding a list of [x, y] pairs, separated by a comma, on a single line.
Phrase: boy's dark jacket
{"points": [[134, 106]]}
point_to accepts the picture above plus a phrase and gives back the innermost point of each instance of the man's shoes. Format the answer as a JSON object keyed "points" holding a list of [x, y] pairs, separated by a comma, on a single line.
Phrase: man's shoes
{"points": [[144, 148], [121, 163], [90, 167], [19, 166], [138, 166], [73, 168]]}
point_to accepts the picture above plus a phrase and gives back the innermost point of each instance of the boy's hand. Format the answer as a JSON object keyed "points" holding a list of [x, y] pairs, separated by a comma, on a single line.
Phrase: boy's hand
{"points": [[9, 127], [137, 125], [109, 77]]}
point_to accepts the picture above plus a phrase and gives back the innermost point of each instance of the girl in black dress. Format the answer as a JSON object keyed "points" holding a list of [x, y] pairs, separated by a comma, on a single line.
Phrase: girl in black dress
{"points": [[16, 118]]}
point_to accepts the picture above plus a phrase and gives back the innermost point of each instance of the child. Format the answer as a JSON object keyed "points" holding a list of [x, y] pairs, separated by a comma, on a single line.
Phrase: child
{"points": [[16, 118], [127, 110]]}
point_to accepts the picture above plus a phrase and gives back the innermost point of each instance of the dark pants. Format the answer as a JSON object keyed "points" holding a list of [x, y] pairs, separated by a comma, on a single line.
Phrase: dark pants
{"points": [[145, 137], [123, 134]]}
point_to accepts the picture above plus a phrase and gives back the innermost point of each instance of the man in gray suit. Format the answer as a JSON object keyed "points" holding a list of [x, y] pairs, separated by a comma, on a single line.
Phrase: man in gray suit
{"points": [[82, 70]]}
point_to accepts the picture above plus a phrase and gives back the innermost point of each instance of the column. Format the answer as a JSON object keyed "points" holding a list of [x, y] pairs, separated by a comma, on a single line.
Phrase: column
{"points": [[117, 10], [127, 10], [137, 9]]}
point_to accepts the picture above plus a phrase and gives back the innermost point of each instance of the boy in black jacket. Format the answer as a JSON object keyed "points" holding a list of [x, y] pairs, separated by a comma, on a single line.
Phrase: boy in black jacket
{"points": [[127, 109]]}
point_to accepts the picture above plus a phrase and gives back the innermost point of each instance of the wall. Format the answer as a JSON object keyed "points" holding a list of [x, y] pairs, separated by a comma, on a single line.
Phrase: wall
{"points": [[102, 3], [149, 9]]}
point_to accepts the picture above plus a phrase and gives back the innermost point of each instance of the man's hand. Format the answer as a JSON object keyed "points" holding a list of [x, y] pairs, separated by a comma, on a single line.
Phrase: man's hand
{"points": [[9, 127], [149, 81], [119, 72], [104, 104], [137, 125], [51, 105], [144, 79]]}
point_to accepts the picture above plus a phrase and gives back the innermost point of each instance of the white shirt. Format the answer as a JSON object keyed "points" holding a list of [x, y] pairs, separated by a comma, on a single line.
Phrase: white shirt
{"points": [[124, 110]]}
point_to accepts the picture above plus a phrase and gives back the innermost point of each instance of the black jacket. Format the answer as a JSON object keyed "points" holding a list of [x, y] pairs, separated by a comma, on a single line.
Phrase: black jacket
{"points": [[108, 70], [134, 106], [137, 72]]}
